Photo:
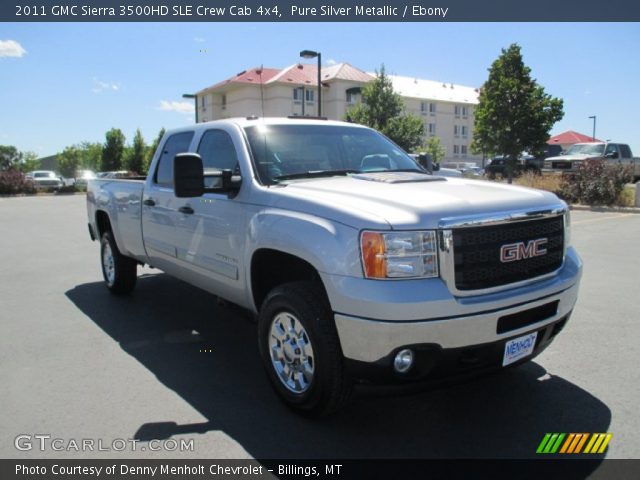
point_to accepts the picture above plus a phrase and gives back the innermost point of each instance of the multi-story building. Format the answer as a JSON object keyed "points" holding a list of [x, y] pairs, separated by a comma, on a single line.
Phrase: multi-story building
{"points": [[446, 109]]}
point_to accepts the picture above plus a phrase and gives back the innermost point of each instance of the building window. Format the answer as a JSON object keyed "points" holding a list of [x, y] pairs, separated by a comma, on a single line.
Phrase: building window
{"points": [[463, 150], [203, 103], [424, 108], [465, 112], [297, 94], [224, 101], [353, 95], [432, 109], [456, 131], [464, 130], [456, 149], [456, 110], [431, 129], [309, 95]]}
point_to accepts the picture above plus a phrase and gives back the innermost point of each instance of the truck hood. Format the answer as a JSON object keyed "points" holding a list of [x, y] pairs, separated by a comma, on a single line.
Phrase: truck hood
{"points": [[363, 203]]}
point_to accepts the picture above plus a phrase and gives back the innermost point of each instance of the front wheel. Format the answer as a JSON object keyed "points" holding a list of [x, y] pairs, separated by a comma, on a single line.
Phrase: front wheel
{"points": [[119, 272], [301, 351]]}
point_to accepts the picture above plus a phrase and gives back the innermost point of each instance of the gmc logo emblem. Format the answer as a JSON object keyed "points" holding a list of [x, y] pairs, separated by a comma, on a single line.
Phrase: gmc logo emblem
{"points": [[513, 252]]}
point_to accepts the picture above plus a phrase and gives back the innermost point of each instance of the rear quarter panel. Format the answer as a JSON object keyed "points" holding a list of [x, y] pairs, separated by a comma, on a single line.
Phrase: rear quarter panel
{"points": [[122, 201]]}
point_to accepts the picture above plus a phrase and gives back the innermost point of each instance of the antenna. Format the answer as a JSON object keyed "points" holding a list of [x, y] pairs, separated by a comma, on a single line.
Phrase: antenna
{"points": [[261, 90]]}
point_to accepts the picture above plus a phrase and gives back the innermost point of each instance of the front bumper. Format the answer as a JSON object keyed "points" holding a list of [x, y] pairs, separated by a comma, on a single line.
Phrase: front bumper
{"points": [[374, 319], [435, 365]]}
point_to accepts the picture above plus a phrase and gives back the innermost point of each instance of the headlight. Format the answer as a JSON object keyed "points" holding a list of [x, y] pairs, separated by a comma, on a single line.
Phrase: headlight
{"points": [[399, 254]]}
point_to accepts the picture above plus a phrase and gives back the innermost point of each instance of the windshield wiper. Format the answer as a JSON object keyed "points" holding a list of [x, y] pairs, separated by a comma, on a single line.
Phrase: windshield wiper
{"points": [[315, 174]]}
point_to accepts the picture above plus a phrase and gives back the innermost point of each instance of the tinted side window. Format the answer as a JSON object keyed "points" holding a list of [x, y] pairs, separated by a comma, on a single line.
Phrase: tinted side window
{"points": [[625, 151], [177, 143], [217, 151]]}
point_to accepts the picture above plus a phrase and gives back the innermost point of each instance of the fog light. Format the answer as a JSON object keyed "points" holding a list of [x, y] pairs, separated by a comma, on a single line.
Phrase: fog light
{"points": [[403, 361]]}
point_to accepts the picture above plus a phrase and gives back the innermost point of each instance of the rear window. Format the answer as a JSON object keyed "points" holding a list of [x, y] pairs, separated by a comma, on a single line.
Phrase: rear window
{"points": [[625, 151]]}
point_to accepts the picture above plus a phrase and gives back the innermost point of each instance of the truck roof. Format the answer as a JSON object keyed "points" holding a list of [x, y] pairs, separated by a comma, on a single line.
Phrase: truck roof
{"points": [[243, 122]]}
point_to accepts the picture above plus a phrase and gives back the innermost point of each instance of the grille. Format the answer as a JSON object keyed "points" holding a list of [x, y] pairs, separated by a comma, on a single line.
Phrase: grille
{"points": [[477, 253]]}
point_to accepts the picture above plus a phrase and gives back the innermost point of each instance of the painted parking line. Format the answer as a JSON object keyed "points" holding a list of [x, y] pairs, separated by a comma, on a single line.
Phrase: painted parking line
{"points": [[610, 217]]}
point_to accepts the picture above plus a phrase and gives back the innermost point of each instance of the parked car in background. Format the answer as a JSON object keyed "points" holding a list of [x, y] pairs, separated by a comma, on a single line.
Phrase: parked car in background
{"points": [[472, 172], [46, 179], [535, 163], [613, 153], [83, 176], [497, 166], [459, 165], [424, 160]]}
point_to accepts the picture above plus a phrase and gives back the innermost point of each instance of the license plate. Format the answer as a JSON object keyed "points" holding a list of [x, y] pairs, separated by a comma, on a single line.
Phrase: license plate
{"points": [[519, 348]]}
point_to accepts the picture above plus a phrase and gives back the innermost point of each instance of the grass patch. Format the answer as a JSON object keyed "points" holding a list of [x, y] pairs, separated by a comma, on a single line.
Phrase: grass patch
{"points": [[627, 197], [550, 183]]}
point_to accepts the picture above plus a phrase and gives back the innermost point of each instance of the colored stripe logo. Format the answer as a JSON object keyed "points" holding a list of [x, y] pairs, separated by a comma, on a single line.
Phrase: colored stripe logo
{"points": [[574, 443]]}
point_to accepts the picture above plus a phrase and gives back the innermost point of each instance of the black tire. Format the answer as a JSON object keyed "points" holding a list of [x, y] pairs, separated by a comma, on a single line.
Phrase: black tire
{"points": [[122, 279], [329, 388]]}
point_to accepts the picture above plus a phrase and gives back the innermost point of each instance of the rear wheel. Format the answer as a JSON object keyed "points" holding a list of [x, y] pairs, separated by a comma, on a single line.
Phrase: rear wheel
{"points": [[119, 272], [301, 351]]}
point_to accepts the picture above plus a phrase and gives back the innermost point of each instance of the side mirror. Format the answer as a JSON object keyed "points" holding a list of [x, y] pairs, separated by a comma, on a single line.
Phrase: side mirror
{"points": [[612, 155], [436, 167], [188, 175]]}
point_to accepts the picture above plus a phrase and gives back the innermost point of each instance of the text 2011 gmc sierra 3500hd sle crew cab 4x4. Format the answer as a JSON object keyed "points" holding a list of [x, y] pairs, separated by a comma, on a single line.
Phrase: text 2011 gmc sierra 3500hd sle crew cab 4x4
{"points": [[360, 265]]}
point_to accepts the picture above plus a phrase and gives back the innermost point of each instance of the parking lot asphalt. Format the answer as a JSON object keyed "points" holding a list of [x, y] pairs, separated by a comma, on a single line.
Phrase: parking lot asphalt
{"points": [[170, 362]]}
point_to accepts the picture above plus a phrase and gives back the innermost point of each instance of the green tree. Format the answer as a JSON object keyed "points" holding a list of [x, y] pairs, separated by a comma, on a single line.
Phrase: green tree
{"points": [[112, 151], [152, 149], [29, 162], [383, 109], [69, 161], [435, 149], [9, 157], [137, 154], [514, 114], [91, 155]]}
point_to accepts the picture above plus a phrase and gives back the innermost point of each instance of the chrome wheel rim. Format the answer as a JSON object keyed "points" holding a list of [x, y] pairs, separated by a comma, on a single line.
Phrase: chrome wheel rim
{"points": [[108, 266], [291, 353]]}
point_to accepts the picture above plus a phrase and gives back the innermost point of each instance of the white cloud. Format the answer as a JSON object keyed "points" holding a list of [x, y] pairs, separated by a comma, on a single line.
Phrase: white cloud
{"points": [[11, 48], [199, 39], [100, 86], [331, 62], [172, 106]]}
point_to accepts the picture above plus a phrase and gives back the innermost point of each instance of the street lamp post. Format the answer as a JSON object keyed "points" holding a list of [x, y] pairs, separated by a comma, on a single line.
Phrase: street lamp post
{"points": [[593, 138], [195, 101], [311, 54]]}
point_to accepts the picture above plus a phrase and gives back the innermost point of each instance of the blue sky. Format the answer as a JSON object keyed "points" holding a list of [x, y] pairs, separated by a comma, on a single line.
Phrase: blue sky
{"points": [[64, 83]]}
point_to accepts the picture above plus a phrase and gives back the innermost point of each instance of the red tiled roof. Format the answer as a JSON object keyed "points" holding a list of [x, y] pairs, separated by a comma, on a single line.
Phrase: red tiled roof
{"points": [[297, 74], [255, 75], [570, 137]]}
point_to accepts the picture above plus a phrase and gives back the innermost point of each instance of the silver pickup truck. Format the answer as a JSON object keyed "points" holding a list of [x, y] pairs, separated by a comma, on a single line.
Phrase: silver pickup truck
{"points": [[576, 155], [360, 265]]}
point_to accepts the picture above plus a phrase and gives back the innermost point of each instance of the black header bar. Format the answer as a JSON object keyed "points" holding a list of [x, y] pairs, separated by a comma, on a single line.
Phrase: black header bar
{"points": [[320, 11]]}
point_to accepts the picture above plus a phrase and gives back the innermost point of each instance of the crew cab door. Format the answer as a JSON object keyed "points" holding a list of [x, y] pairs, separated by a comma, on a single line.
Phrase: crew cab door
{"points": [[160, 206], [212, 228]]}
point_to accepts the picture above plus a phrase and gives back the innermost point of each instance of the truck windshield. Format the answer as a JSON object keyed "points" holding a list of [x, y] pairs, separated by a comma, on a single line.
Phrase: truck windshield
{"points": [[596, 149], [304, 151]]}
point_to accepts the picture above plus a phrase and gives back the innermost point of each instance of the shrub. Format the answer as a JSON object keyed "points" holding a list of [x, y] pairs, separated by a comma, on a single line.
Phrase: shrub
{"points": [[595, 183], [14, 181]]}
